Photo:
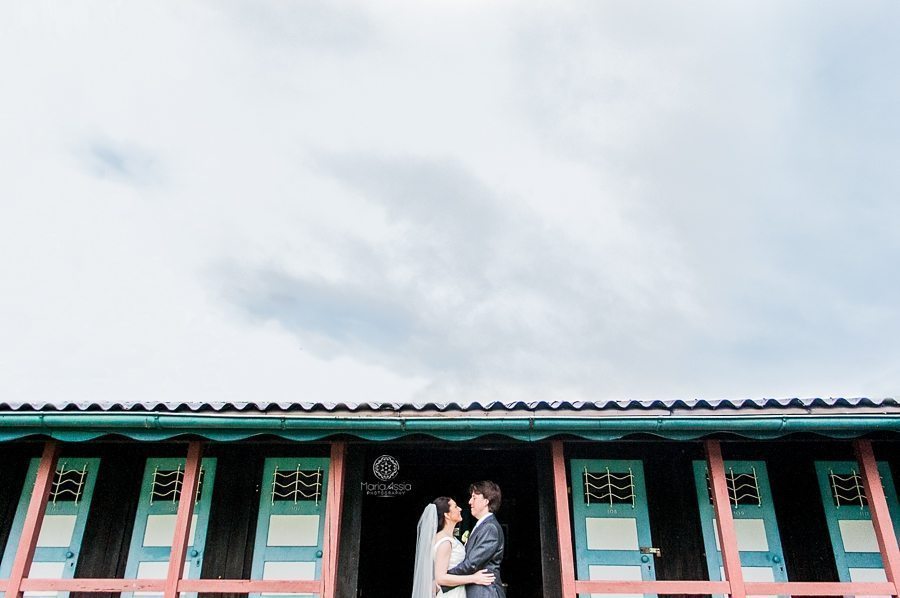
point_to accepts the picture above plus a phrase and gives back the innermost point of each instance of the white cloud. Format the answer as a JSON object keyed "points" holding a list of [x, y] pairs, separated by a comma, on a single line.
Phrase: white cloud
{"points": [[253, 201]]}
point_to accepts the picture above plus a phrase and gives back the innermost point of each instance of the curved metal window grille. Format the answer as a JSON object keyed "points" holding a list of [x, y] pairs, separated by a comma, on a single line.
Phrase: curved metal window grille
{"points": [[847, 490], [743, 488], [610, 487], [296, 485], [167, 484], [68, 484]]}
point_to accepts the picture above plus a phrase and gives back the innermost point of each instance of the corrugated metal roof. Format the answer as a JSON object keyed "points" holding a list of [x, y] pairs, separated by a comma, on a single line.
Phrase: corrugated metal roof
{"points": [[520, 420], [680, 405]]}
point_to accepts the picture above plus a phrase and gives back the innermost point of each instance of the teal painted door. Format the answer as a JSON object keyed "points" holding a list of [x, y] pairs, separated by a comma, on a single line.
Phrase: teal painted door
{"points": [[759, 543], [154, 523], [849, 521], [611, 522], [59, 541], [291, 521]]}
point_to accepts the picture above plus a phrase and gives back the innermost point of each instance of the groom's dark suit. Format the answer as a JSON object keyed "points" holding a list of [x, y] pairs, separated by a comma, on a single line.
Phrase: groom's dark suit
{"points": [[484, 550]]}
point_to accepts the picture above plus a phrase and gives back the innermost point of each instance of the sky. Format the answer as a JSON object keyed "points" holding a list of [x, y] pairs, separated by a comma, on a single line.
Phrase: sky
{"points": [[449, 200]]}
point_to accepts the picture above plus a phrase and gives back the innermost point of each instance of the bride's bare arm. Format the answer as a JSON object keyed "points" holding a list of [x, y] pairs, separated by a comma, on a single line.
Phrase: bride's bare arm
{"points": [[441, 577]]}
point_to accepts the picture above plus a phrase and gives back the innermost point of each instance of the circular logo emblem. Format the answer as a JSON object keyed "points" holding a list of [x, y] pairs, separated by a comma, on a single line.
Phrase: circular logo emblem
{"points": [[385, 468]]}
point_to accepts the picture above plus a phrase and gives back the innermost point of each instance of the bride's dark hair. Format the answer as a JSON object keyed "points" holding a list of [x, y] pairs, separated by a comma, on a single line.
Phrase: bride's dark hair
{"points": [[443, 507]]}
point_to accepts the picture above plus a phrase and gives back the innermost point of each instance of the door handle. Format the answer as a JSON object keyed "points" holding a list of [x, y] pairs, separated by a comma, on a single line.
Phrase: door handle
{"points": [[651, 550]]}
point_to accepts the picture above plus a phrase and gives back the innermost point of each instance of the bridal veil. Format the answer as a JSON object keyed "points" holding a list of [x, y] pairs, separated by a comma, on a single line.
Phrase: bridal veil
{"points": [[423, 573]]}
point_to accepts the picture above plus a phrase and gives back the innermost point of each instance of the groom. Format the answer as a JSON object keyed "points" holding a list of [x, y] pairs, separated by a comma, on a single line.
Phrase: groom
{"points": [[484, 550]]}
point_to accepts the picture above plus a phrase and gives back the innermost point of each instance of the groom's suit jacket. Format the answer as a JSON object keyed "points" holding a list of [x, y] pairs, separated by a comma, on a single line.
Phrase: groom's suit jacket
{"points": [[484, 550]]}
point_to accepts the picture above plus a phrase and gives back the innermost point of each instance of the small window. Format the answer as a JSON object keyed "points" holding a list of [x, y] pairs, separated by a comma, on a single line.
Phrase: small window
{"points": [[68, 484], [167, 485], [743, 488], [296, 485], [609, 487], [847, 489]]}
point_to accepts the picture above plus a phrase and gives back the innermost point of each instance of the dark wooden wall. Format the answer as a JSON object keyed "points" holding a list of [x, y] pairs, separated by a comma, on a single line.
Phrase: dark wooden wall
{"points": [[675, 524], [235, 506], [671, 500], [890, 451], [232, 517], [798, 502], [104, 552], [13, 468], [351, 521], [552, 580], [107, 534], [388, 525]]}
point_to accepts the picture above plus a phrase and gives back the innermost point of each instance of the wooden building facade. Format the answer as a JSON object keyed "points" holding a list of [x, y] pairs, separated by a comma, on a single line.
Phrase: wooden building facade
{"points": [[624, 499]]}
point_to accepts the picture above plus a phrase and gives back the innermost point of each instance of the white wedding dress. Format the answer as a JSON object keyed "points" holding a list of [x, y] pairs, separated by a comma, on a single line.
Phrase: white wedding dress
{"points": [[457, 554]]}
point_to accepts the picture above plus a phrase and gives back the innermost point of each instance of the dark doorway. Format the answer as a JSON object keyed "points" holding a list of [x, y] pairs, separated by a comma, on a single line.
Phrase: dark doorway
{"points": [[388, 530]]}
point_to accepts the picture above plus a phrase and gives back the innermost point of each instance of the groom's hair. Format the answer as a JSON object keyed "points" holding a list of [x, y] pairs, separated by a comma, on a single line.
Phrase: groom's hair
{"points": [[490, 491]]}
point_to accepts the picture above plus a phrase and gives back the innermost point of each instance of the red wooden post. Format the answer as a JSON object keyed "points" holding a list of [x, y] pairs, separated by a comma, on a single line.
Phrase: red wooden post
{"points": [[33, 519], [731, 558], [881, 517], [563, 521], [333, 507], [183, 518]]}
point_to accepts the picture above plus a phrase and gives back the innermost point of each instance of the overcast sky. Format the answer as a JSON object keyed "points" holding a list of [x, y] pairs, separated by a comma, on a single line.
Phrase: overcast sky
{"points": [[389, 201]]}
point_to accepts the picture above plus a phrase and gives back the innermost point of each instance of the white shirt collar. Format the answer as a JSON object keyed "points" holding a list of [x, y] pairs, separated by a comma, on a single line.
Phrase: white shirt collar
{"points": [[477, 523]]}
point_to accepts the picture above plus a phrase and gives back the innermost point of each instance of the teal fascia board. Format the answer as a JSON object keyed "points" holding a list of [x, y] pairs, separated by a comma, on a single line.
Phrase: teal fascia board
{"points": [[75, 427]]}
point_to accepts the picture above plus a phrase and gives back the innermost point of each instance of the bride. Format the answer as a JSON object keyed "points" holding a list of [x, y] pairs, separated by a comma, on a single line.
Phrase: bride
{"points": [[437, 551]]}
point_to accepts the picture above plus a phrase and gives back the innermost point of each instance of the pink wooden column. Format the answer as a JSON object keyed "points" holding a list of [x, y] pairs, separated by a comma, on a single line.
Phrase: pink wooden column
{"points": [[183, 518], [333, 507], [731, 558], [33, 519], [881, 517], [563, 521]]}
